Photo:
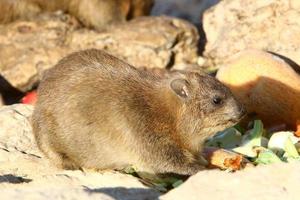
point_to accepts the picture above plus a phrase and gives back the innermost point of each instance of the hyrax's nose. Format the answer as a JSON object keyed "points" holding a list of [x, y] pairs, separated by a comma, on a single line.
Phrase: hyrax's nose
{"points": [[241, 112]]}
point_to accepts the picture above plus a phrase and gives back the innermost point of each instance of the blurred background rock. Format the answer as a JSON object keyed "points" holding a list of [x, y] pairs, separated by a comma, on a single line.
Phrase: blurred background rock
{"points": [[191, 10], [28, 46]]}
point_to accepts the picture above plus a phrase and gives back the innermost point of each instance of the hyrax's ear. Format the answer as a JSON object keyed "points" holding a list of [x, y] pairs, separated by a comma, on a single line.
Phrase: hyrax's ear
{"points": [[180, 87]]}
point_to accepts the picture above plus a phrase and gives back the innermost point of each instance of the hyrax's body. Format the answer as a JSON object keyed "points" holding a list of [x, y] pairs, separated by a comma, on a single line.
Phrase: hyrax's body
{"points": [[96, 111], [92, 13]]}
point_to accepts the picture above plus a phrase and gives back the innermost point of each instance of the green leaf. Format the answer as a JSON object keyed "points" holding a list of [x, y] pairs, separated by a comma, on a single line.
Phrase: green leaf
{"points": [[160, 183], [267, 157], [239, 128], [254, 137], [264, 142], [226, 139], [278, 142], [161, 187], [251, 140], [129, 170], [177, 183], [290, 148]]}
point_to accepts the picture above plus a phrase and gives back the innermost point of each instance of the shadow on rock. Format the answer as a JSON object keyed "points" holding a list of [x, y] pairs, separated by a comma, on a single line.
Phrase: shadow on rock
{"points": [[9, 178], [122, 193], [9, 93], [292, 63]]}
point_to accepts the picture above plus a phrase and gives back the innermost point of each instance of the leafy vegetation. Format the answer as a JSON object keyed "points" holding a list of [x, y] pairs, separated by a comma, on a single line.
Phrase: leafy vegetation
{"points": [[256, 145]]}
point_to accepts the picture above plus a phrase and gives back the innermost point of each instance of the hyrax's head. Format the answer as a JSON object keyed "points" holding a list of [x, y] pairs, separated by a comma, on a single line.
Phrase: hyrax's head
{"points": [[205, 105]]}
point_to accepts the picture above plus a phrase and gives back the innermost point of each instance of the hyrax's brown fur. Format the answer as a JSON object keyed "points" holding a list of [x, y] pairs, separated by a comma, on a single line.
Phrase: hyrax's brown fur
{"points": [[92, 13], [96, 111]]}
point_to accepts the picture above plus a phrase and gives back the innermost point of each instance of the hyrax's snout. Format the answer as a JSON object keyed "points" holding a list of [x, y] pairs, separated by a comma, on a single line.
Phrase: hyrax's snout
{"points": [[239, 112], [242, 112], [235, 110]]}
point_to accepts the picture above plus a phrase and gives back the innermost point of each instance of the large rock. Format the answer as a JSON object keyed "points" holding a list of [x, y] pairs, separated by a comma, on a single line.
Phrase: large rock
{"points": [[234, 25], [27, 48], [25, 174], [274, 182], [266, 85]]}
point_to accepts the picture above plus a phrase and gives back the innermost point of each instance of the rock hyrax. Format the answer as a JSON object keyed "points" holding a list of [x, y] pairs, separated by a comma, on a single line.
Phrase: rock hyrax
{"points": [[96, 111]]}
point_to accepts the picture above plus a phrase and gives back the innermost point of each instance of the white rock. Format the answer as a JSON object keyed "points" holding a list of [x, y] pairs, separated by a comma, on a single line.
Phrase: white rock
{"points": [[272, 182], [25, 174]]}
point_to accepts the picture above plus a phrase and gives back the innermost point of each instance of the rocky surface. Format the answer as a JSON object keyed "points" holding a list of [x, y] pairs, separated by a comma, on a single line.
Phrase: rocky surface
{"points": [[273, 182], [234, 25], [27, 48], [25, 174]]}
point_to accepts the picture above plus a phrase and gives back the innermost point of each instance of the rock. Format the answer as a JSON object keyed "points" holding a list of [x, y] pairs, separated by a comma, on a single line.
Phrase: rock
{"points": [[17, 144], [266, 84], [273, 182], [150, 42], [26, 174], [29, 47], [50, 193], [190, 10], [235, 25], [95, 14], [68, 186], [15, 131]]}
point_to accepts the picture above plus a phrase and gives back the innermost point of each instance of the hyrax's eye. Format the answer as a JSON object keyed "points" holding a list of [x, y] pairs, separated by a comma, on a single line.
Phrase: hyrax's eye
{"points": [[217, 100]]}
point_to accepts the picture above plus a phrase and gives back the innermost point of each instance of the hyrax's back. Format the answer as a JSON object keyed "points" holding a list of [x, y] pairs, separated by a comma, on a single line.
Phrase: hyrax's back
{"points": [[77, 104]]}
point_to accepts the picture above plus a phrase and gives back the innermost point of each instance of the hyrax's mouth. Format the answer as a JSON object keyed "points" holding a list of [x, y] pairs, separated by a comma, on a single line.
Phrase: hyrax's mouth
{"points": [[218, 127], [224, 124], [237, 118], [242, 114], [231, 122]]}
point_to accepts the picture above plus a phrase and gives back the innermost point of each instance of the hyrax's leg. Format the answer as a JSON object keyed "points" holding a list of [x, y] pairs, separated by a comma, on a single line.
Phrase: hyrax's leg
{"points": [[44, 133], [59, 159], [169, 157]]}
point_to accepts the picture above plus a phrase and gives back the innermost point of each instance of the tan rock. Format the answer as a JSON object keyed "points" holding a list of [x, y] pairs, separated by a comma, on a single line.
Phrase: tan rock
{"points": [[25, 174], [15, 129], [235, 25], [266, 84], [95, 14], [27, 48], [273, 182]]}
